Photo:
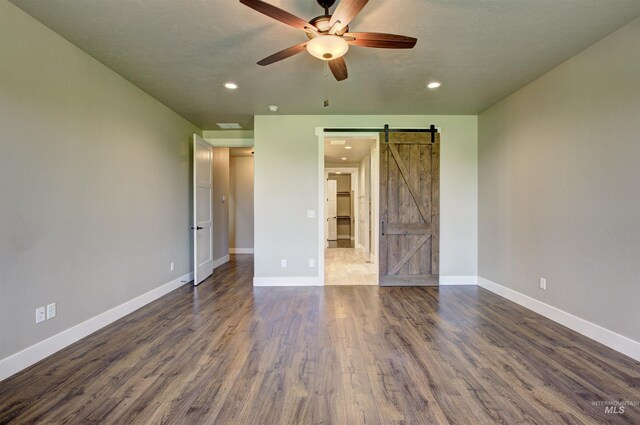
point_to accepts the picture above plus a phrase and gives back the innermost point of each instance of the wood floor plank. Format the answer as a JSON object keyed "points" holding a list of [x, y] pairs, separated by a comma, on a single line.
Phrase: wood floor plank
{"points": [[228, 353]]}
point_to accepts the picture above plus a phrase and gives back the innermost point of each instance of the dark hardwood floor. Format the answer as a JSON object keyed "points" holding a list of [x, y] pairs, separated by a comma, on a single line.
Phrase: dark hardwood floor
{"points": [[228, 353]]}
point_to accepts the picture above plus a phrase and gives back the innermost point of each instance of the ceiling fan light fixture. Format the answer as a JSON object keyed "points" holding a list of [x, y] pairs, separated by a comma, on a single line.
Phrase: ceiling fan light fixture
{"points": [[327, 47]]}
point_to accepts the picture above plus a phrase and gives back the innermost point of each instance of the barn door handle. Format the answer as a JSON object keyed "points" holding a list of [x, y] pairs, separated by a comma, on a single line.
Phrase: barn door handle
{"points": [[382, 228]]}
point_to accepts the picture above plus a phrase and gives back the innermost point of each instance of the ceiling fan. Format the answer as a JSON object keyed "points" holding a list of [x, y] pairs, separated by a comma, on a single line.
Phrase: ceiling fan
{"points": [[329, 36]]}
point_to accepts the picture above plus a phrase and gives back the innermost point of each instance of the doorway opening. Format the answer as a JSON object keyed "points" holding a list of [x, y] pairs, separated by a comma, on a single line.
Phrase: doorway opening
{"points": [[350, 209], [405, 202], [222, 197], [241, 196]]}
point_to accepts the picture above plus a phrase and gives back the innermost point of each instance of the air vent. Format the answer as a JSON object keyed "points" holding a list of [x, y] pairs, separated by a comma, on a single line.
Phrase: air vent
{"points": [[338, 142], [228, 125]]}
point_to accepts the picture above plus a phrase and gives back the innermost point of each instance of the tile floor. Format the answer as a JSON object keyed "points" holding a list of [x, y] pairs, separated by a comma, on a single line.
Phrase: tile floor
{"points": [[348, 266]]}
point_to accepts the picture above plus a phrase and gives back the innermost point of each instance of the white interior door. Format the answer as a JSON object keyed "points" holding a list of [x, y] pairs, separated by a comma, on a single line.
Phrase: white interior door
{"points": [[202, 214], [332, 210]]}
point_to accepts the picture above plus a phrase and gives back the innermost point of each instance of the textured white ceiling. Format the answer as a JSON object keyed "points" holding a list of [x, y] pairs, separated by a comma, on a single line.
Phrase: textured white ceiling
{"points": [[181, 52]]}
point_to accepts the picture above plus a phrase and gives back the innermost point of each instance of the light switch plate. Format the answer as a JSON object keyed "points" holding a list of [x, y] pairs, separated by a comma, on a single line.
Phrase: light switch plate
{"points": [[51, 311], [311, 214]]}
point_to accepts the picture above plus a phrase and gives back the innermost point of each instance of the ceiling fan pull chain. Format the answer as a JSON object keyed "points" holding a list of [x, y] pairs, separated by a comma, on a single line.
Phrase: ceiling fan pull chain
{"points": [[326, 84]]}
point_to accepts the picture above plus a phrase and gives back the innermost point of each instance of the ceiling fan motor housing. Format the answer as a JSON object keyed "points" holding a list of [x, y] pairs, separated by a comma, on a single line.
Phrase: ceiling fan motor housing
{"points": [[322, 23]]}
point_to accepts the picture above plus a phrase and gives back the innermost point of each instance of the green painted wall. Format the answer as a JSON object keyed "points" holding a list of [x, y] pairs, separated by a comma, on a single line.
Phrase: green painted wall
{"points": [[286, 186], [559, 182], [94, 185]]}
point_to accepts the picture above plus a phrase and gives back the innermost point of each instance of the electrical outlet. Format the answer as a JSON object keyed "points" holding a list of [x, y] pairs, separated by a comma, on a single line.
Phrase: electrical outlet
{"points": [[283, 263], [543, 283], [51, 311], [172, 266], [311, 214], [312, 263], [40, 315]]}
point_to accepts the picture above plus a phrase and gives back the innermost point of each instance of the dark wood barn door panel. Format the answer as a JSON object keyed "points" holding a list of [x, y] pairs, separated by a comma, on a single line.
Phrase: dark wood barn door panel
{"points": [[409, 209]]}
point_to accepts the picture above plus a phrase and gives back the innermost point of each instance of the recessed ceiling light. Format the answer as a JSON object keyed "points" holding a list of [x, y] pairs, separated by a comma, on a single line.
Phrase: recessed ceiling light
{"points": [[347, 147], [229, 125], [273, 108], [434, 85], [338, 142], [338, 172], [231, 85], [343, 158]]}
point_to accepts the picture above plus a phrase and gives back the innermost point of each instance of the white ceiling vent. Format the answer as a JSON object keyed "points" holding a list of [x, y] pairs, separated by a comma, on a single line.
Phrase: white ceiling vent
{"points": [[338, 142], [228, 125]]}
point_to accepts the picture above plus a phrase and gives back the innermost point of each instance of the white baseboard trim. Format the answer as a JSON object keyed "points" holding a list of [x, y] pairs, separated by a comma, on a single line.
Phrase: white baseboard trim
{"points": [[31, 355], [287, 281], [458, 280], [602, 335], [240, 250], [220, 261]]}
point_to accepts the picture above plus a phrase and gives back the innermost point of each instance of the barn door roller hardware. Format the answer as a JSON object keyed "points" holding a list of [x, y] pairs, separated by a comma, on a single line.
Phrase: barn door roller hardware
{"points": [[386, 130]]}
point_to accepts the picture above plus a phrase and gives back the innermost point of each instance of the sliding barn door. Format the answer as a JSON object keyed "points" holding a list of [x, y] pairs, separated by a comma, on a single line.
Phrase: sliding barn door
{"points": [[409, 209]]}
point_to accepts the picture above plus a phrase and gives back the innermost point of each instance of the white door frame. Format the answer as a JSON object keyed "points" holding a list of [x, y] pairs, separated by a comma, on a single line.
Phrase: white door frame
{"points": [[375, 188], [374, 199]]}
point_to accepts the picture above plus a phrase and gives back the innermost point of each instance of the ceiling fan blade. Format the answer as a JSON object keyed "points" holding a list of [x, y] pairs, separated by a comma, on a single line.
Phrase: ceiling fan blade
{"points": [[381, 40], [283, 54], [278, 14], [339, 69], [345, 12]]}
